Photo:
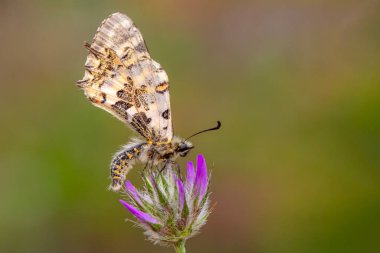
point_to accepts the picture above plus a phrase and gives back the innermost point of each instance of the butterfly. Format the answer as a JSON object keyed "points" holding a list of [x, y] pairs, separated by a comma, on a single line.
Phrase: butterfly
{"points": [[121, 78]]}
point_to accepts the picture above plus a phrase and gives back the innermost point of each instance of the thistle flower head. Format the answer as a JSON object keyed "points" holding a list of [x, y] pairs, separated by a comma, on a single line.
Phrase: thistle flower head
{"points": [[170, 209]]}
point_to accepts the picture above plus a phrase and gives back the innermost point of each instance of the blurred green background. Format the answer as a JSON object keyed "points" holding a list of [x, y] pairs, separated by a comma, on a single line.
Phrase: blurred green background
{"points": [[296, 84]]}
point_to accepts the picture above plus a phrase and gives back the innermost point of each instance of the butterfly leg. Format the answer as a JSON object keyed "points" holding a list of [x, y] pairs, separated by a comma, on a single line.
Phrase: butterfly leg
{"points": [[148, 163], [152, 160], [176, 165], [165, 164], [121, 164]]}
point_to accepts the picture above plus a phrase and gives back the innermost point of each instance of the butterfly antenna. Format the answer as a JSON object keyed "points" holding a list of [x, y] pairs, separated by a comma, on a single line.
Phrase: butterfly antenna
{"points": [[210, 129]]}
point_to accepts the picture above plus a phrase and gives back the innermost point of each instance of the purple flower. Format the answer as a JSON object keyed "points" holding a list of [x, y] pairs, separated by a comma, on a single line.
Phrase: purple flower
{"points": [[143, 217], [169, 208], [131, 190], [181, 194], [190, 177], [201, 178]]}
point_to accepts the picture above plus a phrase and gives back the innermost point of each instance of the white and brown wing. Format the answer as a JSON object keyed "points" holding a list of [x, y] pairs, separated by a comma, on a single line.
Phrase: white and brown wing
{"points": [[122, 79]]}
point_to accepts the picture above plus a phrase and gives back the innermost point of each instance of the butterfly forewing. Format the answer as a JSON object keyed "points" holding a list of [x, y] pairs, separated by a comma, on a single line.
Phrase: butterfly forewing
{"points": [[122, 79]]}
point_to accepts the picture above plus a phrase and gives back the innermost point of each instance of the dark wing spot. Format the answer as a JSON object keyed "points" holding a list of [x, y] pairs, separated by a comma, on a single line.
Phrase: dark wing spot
{"points": [[142, 116], [124, 95], [166, 114], [141, 98], [120, 93], [140, 122], [121, 107], [104, 98]]}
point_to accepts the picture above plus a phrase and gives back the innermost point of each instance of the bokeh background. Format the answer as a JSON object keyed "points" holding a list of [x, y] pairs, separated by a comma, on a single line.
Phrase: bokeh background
{"points": [[296, 85]]}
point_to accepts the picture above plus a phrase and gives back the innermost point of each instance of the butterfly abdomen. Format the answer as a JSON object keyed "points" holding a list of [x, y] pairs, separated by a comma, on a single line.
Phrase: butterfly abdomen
{"points": [[122, 163]]}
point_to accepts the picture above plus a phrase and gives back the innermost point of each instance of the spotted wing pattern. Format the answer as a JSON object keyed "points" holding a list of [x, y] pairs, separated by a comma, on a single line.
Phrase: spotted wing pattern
{"points": [[121, 78]]}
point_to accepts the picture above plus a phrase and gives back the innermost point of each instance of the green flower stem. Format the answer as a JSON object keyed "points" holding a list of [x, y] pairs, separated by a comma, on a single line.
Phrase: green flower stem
{"points": [[180, 247]]}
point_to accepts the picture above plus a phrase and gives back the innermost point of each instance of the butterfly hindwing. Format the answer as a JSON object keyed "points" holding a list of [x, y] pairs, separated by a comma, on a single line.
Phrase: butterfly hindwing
{"points": [[122, 79]]}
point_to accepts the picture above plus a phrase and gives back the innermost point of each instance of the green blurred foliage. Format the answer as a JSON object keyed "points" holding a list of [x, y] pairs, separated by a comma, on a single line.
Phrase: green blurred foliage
{"points": [[295, 84]]}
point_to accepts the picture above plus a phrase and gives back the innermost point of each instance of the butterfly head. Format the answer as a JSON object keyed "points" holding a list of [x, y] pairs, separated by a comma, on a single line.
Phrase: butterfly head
{"points": [[182, 147]]}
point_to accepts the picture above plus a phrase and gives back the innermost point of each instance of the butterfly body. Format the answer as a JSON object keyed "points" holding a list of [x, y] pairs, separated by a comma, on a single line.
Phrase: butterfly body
{"points": [[121, 78], [152, 154]]}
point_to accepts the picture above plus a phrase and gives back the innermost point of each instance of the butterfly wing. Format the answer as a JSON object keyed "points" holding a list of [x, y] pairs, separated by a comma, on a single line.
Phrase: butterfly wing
{"points": [[121, 78]]}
